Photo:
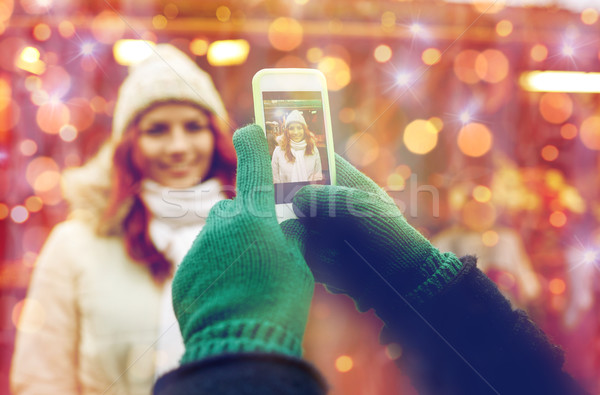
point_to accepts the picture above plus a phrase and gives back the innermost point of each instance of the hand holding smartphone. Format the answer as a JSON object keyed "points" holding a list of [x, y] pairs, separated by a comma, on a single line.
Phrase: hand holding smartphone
{"points": [[292, 107]]}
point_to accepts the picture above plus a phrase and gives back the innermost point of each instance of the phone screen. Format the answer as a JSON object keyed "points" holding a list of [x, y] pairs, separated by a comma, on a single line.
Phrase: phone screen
{"points": [[295, 129]]}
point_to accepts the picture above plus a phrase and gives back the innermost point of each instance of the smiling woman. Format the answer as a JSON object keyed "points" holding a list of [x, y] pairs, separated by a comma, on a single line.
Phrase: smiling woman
{"points": [[103, 278], [297, 158]]}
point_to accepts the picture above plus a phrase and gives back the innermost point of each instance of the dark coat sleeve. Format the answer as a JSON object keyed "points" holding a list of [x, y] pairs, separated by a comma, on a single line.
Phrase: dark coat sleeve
{"points": [[243, 374], [469, 340]]}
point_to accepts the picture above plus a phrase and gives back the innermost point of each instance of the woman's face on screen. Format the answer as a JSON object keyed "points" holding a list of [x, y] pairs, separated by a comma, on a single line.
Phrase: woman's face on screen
{"points": [[296, 132], [175, 145]]}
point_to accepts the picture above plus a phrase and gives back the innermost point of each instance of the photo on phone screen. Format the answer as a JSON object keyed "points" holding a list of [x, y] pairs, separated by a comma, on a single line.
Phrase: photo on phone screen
{"points": [[295, 130]]}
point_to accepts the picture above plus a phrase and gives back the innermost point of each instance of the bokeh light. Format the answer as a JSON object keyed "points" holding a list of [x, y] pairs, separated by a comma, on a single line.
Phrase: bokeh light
{"points": [[420, 136], [4, 211], [42, 173], [464, 66], [336, 71], [68, 133], [568, 131], [344, 363], [51, 117], [474, 139], [437, 123], [570, 198], [539, 52], [42, 32], [223, 13], [285, 34], [382, 53], [34, 204], [127, 51], [504, 28], [396, 182], [19, 214], [490, 238], [482, 194], [30, 54], [558, 219], [314, 54], [589, 132], [492, 66], [589, 16], [549, 153], [66, 29], [5, 94], [29, 60], [108, 26], [478, 216], [554, 179], [431, 56], [36, 315], [362, 149], [388, 20], [557, 286], [199, 46], [159, 21], [228, 52], [556, 107], [98, 104]]}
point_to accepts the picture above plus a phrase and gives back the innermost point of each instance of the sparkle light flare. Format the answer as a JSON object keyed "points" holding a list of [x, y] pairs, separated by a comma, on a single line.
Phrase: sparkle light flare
{"points": [[465, 116], [87, 48], [589, 257], [417, 29], [403, 78], [568, 50]]}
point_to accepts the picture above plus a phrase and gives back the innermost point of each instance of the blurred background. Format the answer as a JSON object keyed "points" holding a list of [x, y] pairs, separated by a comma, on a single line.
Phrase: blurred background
{"points": [[481, 118]]}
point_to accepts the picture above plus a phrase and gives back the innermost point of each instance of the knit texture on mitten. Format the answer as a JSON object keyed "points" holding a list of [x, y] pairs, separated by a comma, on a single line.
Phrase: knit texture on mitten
{"points": [[242, 287], [356, 240]]}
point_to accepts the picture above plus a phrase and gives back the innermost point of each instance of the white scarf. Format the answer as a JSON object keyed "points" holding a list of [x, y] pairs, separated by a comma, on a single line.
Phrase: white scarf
{"points": [[299, 172], [178, 215]]}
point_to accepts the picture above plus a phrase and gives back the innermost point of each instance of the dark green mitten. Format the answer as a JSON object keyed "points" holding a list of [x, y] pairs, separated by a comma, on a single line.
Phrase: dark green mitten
{"points": [[242, 287], [356, 241]]}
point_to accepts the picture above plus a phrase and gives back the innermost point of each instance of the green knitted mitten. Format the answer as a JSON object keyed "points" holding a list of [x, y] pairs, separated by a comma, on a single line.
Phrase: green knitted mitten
{"points": [[242, 287], [356, 241]]}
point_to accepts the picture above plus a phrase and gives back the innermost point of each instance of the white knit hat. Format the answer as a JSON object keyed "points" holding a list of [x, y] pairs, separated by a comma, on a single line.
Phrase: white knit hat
{"points": [[295, 116], [166, 75]]}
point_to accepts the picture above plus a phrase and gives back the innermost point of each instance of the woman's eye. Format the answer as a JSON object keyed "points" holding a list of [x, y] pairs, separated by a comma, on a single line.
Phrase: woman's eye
{"points": [[156, 130], [196, 127]]}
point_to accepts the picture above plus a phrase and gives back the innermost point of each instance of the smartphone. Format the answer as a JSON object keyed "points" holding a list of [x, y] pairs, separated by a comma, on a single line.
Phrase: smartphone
{"points": [[292, 107]]}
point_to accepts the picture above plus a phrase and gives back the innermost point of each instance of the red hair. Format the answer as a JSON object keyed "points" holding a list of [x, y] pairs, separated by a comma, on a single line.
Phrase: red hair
{"points": [[126, 184], [287, 148]]}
